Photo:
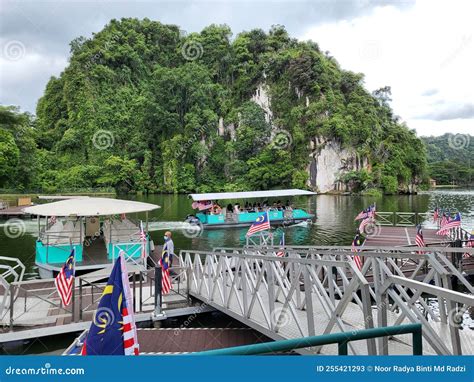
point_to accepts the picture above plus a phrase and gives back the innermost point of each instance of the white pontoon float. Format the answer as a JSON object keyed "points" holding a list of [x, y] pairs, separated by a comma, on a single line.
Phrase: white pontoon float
{"points": [[212, 215], [97, 228]]}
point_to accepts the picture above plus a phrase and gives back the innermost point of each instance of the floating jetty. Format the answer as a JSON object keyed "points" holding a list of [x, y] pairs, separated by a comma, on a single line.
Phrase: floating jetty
{"points": [[311, 291]]}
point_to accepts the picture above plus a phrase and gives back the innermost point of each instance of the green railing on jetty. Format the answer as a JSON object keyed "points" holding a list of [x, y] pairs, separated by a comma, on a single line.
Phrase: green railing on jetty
{"points": [[342, 339]]}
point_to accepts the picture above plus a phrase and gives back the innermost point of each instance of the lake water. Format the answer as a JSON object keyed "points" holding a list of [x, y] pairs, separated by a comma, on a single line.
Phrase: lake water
{"points": [[334, 224]]}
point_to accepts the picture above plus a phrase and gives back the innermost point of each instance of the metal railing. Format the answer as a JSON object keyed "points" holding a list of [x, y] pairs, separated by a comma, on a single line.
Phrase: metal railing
{"points": [[336, 291], [341, 339], [402, 219]]}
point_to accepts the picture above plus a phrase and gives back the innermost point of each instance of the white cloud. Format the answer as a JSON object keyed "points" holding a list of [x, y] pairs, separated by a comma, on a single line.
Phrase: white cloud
{"points": [[425, 53]]}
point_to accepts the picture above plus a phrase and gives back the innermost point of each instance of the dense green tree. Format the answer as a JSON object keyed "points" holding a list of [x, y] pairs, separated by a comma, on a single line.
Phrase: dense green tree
{"points": [[143, 106]]}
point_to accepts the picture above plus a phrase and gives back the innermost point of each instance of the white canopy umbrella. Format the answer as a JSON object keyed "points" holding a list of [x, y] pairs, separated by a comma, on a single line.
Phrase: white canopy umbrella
{"points": [[89, 207]]}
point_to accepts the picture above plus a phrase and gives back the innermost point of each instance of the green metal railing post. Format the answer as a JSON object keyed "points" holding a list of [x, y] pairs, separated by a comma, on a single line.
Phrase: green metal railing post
{"points": [[342, 339]]}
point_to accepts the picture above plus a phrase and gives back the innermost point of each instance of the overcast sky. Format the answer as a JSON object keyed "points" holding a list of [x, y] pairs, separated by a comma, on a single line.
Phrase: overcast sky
{"points": [[424, 50]]}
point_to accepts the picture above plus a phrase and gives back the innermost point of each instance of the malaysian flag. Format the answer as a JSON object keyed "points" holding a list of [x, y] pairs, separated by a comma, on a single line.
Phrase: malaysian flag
{"points": [[444, 220], [281, 252], [143, 240], [165, 271], [420, 242], [449, 225], [112, 331], [435, 215], [130, 339], [356, 243], [262, 223], [469, 244], [362, 215], [65, 279]]}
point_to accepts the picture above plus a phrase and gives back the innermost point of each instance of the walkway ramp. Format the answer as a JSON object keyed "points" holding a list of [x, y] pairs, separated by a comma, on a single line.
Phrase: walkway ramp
{"points": [[315, 291]]}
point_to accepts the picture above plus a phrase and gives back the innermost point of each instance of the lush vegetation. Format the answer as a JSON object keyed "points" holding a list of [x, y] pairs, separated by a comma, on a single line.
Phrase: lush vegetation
{"points": [[450, 158], [140, 105]]}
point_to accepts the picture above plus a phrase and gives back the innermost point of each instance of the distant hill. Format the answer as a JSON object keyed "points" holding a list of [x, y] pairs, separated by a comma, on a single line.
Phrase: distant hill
{"points": [[451, 158]]}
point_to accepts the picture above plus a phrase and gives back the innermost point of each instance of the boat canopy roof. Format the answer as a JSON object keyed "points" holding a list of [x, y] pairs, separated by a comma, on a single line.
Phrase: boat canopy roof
{"points": [[61, 197], [89, 207], [249, 194]]}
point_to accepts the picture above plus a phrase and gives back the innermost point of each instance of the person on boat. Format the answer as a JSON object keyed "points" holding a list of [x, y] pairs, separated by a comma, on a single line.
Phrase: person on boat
{"points": [[237, 208], [169, 247], [287, 204], [216, 209]]}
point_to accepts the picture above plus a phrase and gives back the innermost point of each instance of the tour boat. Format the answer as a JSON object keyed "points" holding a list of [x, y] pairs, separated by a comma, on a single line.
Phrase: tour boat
{"points": [[98, 229], [241, 213]]}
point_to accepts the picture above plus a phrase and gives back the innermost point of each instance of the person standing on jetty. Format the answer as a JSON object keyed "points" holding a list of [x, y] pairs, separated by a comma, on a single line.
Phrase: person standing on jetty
{"points": [[169, 247]]}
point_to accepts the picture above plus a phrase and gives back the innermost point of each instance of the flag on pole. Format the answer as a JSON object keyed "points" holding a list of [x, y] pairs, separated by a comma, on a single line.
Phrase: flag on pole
{"points": [[356, 243], [111, 331], [143, 240], [281, 252], [262, 223], [65, 279], [362, 215], [420, 242], [449, 225], [165, 271], [435, 215], [469, 244], [444, 220], [130, 338]]}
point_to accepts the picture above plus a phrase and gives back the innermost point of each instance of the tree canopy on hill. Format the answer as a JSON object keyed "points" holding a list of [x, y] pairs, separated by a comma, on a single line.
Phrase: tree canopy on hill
{"points": [[139, 105], [450, 158]]}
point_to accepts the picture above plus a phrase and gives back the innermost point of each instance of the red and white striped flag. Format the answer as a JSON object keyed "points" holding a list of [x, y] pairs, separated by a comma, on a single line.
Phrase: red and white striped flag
{"points": [[130, 339], [262, 223], [356, 243], [469, 244], [420, 242], [65, 279], [165, 271], [449, 225]]}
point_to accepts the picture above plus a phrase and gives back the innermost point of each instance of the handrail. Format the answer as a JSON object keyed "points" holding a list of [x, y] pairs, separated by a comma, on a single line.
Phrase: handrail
{"points": [[342, 339]]}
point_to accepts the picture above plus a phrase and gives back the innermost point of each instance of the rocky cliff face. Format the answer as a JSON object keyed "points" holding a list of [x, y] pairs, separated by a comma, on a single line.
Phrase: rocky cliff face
{"points": [[328, 162]]}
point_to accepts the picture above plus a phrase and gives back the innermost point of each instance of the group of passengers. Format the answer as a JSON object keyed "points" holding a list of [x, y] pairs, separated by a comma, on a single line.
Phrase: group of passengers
{"points": [[249, 207]]}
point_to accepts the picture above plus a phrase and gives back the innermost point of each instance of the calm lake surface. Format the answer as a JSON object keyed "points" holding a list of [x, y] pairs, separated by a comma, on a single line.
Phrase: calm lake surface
{"points": [[334, 224]]}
